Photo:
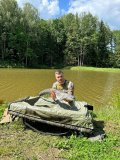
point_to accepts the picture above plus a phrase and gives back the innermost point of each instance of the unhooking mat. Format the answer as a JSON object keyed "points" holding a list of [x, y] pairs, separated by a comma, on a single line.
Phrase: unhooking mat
{"points": [[59, 113]]}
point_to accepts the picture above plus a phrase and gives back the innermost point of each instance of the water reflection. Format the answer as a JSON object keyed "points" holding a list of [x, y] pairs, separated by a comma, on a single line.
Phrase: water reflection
{"points": [[94, 87]]}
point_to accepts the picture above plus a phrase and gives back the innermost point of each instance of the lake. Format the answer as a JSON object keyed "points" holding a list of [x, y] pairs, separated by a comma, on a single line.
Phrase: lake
{"points": [[93, 87]]}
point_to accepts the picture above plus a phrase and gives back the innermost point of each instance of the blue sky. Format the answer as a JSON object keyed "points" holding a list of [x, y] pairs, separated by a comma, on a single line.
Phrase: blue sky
{"points": [[64, 4], [106, 10]]}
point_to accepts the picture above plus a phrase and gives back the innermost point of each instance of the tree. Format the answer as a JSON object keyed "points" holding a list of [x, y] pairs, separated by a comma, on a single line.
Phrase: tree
{"points": [[115, 56], [80, 37], [103, 43], [30, 19], [58, 35], [9, 17], [80, 40]]}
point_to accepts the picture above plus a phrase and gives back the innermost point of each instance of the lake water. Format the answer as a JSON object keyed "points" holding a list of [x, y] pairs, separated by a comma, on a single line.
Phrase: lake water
{"points": [[93, 87]]}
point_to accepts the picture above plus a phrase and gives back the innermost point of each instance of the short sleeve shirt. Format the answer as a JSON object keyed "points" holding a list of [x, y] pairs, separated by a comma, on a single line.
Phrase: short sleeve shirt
{"points": [[67, 85]]}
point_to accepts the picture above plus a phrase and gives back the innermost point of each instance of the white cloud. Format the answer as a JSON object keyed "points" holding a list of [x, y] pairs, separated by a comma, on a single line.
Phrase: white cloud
{"points": [[21, 2], [107, 10], [47, 8]]}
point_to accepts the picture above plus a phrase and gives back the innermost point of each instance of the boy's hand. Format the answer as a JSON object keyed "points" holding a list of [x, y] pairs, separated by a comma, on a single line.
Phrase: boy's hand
{"points": [[53, 95]]}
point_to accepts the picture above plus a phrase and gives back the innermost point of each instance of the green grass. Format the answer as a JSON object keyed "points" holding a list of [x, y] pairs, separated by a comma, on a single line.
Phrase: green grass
{"points": [[17, 143], [2, 108], [95, 69], [76, 148]]}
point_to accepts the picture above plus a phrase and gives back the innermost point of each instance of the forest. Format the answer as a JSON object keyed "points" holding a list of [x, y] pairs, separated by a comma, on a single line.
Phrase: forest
{"points": [[26, 40]]}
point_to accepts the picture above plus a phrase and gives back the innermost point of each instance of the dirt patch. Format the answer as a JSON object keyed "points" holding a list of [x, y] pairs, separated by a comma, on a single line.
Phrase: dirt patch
{"points": [[112, 127], [51, 154], [16, 142]]}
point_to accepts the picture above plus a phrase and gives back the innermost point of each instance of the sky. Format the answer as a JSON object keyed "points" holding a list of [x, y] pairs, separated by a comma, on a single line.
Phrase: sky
{"points": [[106, 10]]}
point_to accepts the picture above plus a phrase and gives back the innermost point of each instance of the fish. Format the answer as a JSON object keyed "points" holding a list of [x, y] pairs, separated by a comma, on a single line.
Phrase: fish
{"points": [[60, 94]]}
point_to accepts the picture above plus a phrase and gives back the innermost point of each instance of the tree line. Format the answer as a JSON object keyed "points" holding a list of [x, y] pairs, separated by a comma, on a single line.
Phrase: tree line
{"points": [[29, 41]]}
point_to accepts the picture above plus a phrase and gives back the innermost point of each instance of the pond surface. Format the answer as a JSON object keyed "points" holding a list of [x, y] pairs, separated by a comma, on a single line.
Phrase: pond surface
{"points": [[93, 87]]}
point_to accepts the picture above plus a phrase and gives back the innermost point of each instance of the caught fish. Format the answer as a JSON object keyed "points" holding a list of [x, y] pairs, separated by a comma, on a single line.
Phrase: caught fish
{"points": [[60, 94]]}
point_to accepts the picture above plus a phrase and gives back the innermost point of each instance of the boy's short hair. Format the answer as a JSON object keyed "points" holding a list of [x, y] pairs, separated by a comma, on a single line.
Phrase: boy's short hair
{"points": [[58, 72]]}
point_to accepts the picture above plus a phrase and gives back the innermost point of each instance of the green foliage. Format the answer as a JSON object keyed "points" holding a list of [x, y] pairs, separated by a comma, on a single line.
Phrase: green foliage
{"points": [[80, 40], [103, 42], [15, 141], [75, 147], [2, 108], [116, 100], [18, 143], [81, 148], [115, 57], [112, 110], [11, 64], [95, 69]]}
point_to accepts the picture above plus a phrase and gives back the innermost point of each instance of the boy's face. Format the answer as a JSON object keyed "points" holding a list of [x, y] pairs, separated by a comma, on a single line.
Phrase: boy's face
{"points": [[60, 78]]}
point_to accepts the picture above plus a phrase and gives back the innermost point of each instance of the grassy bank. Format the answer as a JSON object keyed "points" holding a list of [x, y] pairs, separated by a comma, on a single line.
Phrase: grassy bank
{"points": [[107, 119], [18, 143], [95, 69], [81, 68]]}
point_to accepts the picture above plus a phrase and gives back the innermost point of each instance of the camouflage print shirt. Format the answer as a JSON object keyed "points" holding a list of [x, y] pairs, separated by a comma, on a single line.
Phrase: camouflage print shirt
{"points": [[67, 85]]}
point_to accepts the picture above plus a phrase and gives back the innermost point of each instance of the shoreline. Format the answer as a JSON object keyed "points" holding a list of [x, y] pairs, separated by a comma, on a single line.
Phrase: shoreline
{"points": [[72, 68], [79, 68]]}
